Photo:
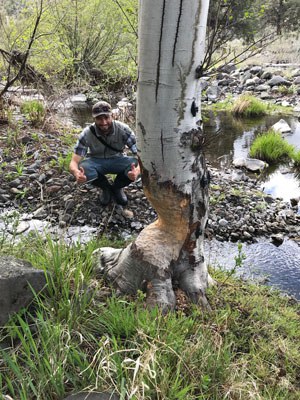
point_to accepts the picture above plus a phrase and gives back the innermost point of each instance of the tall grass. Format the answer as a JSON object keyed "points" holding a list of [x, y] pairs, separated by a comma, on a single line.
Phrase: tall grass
{"points": [[271, 147], [74, 339], [249, 106]]}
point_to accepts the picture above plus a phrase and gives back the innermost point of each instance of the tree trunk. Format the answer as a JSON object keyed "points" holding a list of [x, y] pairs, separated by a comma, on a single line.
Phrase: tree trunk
{"points": [[169, 252]]}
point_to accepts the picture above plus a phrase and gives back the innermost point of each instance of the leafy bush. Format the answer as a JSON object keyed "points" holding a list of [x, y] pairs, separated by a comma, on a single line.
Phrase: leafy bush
{"points": [[271, 147], [249, 106], [34, 111]]}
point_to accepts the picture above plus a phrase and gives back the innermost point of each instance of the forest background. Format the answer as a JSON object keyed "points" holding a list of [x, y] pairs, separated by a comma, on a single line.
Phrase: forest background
{"points": [[70, 44]]}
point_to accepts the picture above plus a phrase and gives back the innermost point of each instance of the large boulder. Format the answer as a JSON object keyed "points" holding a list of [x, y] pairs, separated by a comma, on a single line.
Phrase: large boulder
{"points": [[18, 280]]}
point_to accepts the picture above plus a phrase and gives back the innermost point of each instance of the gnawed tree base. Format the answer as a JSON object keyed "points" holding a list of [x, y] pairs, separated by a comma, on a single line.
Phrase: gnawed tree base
{"points": [[166, 253]]}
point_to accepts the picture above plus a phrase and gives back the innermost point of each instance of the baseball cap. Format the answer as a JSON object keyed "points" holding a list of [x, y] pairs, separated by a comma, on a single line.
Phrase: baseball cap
{"points": [[101, 108]]}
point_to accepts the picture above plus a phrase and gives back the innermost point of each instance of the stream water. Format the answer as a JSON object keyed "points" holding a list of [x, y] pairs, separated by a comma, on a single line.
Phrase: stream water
{"points": [[229, 138]]}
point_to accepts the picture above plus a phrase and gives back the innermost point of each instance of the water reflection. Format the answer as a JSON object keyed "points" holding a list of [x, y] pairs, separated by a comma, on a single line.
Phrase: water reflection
{"points": [[229, 138], [280, 265]]}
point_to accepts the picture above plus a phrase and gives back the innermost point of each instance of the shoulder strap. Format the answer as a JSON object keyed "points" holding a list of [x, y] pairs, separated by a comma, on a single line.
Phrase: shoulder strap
{"points": [[93, 130]]}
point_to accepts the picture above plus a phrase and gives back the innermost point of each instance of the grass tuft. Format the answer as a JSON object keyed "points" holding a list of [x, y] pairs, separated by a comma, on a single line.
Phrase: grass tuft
{"points": [[249, 106], [271, 147]]}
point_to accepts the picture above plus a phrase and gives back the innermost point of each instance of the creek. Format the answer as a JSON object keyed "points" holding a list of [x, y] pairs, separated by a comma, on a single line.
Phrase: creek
{"points": [[230, 138]]}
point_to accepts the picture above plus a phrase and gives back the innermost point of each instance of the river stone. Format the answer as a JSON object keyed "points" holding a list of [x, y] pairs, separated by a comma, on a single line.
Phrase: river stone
{"points": [[262, 88], [281, 126], [278, 80], [213, 92], [93, 396], [252, 164], [17, 280], [265, 96], [297, 81], [79, 101]]}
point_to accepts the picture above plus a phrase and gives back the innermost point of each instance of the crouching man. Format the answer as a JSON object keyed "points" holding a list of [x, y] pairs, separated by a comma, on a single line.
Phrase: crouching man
{"points": [[100, 151]]}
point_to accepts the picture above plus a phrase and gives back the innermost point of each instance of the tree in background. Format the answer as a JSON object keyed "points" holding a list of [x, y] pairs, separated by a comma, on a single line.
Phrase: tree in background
{"points": [[229, 20], [87, 40], [284, 15], [169, 252], [92, 36], [17, 48]]}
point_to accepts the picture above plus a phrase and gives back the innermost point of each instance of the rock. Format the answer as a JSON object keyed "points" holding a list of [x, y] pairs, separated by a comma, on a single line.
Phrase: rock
{"points": [[262, 88], [266, 75], [253, 81], [278, 80], [297, 81], [213, 92], [251, 164], [79, 101], [265, 96], [17, 280], [277, 239], [22, 227], [281, 126], [256, 70], [294, 201]]}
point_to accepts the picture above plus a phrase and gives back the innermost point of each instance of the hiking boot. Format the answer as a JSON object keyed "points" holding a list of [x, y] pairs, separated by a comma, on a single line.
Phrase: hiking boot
{"points": [[120, 196], [105, 197]]}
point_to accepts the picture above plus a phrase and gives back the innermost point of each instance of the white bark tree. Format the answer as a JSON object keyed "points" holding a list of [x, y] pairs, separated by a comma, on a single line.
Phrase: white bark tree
{"points": [[169, 252]]}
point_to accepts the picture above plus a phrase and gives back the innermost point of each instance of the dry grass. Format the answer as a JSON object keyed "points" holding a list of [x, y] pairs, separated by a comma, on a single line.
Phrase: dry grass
{"points": [[285, 50]]}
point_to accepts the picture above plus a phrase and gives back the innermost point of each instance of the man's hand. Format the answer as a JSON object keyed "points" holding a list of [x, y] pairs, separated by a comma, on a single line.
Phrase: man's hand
{"points": [[80, 175], [134, 172]]}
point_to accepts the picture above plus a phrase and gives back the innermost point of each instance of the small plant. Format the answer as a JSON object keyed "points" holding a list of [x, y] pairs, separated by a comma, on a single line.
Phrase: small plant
{"points": [[19, 168], [12, 138], [62, 162], [296, 159], [249, 106], [285, 90], [22, 193], [271, 147], [34, 111]]}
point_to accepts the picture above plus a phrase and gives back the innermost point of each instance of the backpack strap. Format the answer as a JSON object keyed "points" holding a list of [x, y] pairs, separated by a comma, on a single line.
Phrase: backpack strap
{"points": [[93, 130]]}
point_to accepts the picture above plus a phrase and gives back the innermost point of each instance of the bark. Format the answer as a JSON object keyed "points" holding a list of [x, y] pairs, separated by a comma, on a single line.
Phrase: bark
{"points": [[168, 253]]}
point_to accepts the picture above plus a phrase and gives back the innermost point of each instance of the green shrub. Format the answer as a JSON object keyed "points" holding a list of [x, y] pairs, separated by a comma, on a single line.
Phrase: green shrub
{"points": [[271, 147], [248, 106], [34, 111]]}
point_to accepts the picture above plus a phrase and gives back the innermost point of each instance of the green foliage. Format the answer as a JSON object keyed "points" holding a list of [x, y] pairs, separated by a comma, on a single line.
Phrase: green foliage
{"points": [[296, 159], [271, 147], [62, 162], [249, 106], [34, 111]]}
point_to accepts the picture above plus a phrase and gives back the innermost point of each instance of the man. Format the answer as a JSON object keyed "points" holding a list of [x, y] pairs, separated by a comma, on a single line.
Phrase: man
{"points": [[100, 151]]}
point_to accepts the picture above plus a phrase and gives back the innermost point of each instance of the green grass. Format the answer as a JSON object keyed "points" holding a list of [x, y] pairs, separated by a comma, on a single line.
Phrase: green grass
{"points": [[75, 338], [249, 106], [271, 147]]}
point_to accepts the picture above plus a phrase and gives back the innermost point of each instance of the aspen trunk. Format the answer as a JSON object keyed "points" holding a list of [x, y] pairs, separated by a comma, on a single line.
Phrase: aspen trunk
{"points": [[175, 179]]}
